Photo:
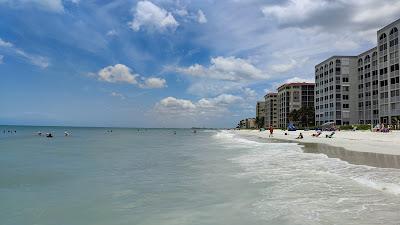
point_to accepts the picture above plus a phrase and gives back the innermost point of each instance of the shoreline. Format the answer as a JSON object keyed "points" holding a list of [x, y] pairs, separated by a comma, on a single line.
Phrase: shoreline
{"points": [[355, 147], [357, 141]]}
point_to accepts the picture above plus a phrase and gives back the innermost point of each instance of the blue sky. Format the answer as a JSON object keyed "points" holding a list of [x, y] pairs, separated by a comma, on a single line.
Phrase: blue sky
{"points": [[171, 63]]}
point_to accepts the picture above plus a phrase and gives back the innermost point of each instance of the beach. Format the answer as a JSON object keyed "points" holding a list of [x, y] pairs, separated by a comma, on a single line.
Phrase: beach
{"points": [[358, 141]]}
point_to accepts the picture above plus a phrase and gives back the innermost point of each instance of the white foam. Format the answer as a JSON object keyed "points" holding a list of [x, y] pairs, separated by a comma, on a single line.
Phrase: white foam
{"points": [[314, 185], [379, 185]]}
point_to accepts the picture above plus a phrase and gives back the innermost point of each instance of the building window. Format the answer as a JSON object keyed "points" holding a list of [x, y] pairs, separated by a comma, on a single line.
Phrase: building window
{"points": [[393, 31], [394, 67], [394, 80]]}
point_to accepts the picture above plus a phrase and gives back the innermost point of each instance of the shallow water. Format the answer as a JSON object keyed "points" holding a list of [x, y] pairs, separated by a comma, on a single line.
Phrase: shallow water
{"points": [[151, 176]]}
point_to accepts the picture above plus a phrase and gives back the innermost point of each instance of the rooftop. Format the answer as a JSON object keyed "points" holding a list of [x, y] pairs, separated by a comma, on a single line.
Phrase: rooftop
{"points": [[295, 84], [389, 25], [367, 52], [335, 57], [271, 94]]}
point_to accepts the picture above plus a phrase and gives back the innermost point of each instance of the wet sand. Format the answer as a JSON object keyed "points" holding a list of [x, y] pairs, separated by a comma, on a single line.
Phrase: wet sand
{"points": [[359, 148], [354, 157]]}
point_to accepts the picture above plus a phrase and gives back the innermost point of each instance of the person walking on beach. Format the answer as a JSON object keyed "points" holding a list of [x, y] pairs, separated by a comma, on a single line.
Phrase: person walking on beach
{"points": [[271, 131]]}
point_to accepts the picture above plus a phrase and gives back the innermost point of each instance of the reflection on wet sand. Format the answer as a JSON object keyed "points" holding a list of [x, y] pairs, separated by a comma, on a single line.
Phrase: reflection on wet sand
{"points": [[353, 157]]}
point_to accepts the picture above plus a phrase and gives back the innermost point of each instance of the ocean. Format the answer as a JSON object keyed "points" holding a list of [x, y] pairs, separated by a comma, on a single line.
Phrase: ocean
{"points": [[211, 177]]}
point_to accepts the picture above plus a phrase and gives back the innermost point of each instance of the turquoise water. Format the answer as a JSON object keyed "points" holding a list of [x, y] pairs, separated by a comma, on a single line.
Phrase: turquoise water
{"points": [[152, 176]]}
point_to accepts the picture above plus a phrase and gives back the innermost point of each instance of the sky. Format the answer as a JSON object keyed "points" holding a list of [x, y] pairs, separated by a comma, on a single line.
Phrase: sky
{"points": [[168, 63]]}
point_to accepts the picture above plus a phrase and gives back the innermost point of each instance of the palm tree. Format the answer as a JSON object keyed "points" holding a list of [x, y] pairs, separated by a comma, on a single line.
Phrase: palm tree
{"points": [[260, 122], [304, 117]]}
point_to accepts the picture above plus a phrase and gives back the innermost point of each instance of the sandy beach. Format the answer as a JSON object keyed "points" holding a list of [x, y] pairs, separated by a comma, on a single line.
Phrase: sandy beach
{"points": [[358, 141]]}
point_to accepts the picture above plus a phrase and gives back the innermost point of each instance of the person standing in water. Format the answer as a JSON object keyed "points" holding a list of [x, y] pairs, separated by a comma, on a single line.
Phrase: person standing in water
{"points": [[271, 131]]}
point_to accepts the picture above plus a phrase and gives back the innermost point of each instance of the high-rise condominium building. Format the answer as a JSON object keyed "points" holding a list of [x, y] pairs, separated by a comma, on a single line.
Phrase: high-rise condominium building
{"points": [[361, 89], [293, 96], [335, 93], [388, 65], [368, 87], [271, 110]]}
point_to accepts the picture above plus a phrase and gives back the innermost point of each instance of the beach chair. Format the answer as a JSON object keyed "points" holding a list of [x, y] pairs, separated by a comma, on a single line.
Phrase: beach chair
{"points": [[317, 134], [330, 135]]}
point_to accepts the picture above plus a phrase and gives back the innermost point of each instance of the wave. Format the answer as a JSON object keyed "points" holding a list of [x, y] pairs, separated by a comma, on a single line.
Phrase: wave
{"points": [[314, 186]]}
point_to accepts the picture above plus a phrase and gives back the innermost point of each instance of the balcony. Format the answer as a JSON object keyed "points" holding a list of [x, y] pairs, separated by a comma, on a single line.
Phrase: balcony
{"points": [[394, 73], [383, 77], [383, 89], [384, 101], [394, 86], [395, 112], [395, 99], [383, 112]]}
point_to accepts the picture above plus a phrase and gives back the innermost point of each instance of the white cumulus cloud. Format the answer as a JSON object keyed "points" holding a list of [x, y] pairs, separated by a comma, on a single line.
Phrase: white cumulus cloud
{"points": [[285, 67], [201, 18], [120, 73], [227, 69], [299, 80], [171, 106], [5, 43], [152, 16], [154, 82]]}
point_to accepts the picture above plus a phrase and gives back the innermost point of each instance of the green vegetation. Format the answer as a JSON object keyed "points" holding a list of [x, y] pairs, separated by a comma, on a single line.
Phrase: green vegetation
{"points": [[260, 122], [346, 127], [304, 117]]}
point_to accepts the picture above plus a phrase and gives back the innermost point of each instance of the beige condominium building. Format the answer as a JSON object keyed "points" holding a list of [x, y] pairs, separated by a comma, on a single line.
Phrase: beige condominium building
{"points": [[368, 87], [260, 112], [271, 110], [335, 91], [388, 67], [293, 96], [248, 123]]}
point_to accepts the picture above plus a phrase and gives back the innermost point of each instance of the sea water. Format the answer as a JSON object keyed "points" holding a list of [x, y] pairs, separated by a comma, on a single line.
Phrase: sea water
{"points": [[154, 176]]}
